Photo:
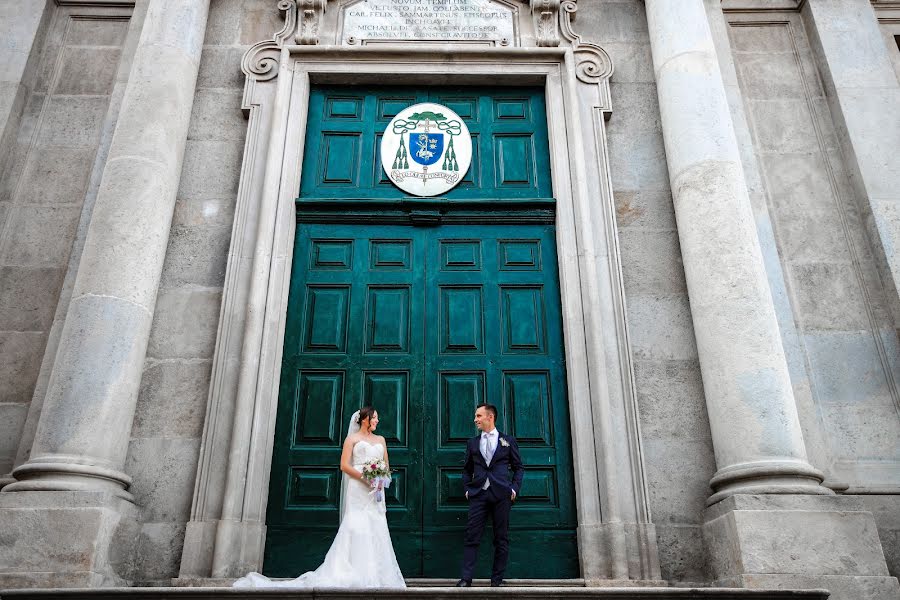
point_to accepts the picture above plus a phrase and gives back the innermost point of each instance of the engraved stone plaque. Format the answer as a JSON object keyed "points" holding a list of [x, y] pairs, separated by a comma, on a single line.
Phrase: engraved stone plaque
{"points": [[459, 21]]}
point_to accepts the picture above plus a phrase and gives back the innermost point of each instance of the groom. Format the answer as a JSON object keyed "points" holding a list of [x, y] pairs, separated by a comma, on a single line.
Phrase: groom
{"points": [[489, 458]]}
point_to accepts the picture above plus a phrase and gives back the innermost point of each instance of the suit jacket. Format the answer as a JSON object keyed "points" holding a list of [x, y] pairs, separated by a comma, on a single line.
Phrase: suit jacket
{"points": [[506, 458]]}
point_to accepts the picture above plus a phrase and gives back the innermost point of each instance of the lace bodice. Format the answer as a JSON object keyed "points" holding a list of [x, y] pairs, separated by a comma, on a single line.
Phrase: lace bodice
{"points": [[364, 451]]}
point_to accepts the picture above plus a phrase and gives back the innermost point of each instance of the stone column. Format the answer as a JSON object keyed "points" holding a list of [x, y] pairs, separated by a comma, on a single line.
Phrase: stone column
{"points": [[770, 522], [83, 433], [864, 94], [753, 417]]}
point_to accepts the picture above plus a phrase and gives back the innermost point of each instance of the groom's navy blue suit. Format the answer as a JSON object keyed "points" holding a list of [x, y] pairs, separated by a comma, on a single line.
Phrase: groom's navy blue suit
{"points": [[495, 500]]}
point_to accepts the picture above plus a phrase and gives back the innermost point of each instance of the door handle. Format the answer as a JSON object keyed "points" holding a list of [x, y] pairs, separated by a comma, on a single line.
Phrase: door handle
{"points": [[425, 218]]}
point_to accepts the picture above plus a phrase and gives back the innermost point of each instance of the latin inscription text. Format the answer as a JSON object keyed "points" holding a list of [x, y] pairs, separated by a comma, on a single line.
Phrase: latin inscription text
{"points": [[450, 20]]}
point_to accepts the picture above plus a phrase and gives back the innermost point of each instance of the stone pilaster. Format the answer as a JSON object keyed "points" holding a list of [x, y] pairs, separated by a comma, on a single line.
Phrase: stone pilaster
{"points": [[21, 25], [753, 417], [82, 437], [22, 29], [864, 95]]}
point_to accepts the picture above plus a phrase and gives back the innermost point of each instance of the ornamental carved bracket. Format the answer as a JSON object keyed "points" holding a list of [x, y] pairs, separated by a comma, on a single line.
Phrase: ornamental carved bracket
{"points": [[545, 14], [311, 13]]}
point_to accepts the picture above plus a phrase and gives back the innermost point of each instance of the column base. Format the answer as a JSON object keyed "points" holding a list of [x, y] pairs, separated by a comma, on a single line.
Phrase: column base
{"points": [[58, 539], [69, 474], [618, 551], [767, 477], [197, 552], [238, 549], [798, 541]]}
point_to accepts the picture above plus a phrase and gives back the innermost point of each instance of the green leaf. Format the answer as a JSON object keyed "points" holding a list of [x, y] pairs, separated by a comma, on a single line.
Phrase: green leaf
{"points": [[428, 115]]}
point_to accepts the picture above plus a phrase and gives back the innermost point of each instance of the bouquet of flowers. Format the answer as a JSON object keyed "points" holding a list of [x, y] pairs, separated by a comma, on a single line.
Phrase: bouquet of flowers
{"points": [[378, 476]]}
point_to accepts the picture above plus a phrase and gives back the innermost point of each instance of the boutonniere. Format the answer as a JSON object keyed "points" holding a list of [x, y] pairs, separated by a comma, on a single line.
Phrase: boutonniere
{"points": [[504, 443]]}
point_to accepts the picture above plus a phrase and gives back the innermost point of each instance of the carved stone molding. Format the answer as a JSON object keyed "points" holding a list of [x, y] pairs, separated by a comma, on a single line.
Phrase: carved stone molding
{"points": [[761, 6], [546, 22], [305, 24], [260, 62], [97, 3], [311, 13], [593, 63]]}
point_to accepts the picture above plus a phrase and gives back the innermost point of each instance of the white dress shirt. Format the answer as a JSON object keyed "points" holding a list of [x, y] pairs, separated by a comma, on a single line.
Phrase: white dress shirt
{"points": [[488, 446]]}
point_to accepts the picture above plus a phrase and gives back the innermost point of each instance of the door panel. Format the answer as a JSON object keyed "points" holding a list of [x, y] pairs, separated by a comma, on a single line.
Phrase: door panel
{"points": [[424, 323], [354, 337], [518, 367], [342, 156]]}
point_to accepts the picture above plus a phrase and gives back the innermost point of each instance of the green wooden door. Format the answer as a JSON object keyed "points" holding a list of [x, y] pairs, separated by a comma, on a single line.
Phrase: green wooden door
{"points": [[423, 309], [494, 335]]}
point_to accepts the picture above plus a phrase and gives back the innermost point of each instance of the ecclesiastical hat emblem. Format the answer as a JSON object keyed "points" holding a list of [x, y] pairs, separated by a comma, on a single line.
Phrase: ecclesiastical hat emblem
{"points": [[426, 149]]}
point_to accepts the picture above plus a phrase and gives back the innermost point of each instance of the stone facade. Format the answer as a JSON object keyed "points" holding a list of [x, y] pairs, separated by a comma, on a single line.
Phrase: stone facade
{"points": [[733, 322]]}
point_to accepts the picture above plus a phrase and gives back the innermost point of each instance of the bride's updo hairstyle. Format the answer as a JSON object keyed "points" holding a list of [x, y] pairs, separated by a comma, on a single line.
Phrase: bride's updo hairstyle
{"points": [[366, 412]]}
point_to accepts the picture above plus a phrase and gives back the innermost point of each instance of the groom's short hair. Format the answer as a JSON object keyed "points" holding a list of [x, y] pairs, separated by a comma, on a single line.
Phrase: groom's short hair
{"points": [[488, 407]]}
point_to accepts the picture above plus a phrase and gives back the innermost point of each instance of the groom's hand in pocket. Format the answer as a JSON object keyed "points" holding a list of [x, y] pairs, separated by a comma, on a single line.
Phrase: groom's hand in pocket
{"points": [[512, 495]]}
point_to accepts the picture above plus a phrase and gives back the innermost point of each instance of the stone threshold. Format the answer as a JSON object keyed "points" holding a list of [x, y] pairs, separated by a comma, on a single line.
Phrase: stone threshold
{"points": [[424, 582], [531, 583], [419, 593]]}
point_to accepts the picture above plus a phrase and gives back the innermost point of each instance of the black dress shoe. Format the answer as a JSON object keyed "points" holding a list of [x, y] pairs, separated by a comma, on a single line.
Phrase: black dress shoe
{"points": [[463, 583], [496, 583]]}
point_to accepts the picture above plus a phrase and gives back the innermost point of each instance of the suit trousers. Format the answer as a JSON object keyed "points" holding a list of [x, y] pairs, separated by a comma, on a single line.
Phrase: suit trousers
{"points": [[497, 505]]}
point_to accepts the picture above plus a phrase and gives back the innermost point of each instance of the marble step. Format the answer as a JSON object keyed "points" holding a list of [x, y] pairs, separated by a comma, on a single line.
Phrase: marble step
{"points": [[564, 592], [537, 583], [419, 582]]}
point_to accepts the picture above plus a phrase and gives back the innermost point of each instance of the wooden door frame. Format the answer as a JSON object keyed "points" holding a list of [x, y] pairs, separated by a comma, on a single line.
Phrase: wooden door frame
{"points": [[226, 534]]}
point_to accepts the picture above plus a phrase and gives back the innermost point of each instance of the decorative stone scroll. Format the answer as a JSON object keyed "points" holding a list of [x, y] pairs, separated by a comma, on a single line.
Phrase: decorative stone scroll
{"points": [[260, 62], [593, 65], [457, 21]]}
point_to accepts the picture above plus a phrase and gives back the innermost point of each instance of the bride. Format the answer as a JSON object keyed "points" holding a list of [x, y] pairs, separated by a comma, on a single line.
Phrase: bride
{"points": [[361, 555]]}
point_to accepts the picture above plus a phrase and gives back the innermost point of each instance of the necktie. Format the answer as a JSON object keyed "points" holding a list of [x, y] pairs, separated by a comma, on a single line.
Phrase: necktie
{"points": [[488, 453]]}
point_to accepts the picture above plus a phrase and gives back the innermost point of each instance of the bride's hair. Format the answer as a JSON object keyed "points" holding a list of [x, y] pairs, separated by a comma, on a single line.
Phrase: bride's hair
{"points": [[366, 412]]}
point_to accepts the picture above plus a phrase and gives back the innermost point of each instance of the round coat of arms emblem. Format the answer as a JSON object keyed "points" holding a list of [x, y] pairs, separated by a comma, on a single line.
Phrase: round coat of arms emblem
{"points": [[426, 149]]}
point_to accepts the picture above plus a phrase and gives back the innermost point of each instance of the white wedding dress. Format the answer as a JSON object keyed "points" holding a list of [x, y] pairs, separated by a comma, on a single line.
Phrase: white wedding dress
{"points": [[361, 555]]}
